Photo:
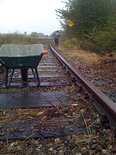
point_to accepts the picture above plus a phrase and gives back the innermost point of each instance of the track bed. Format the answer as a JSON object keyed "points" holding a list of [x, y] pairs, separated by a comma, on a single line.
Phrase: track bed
{"points": [[55, 118]]}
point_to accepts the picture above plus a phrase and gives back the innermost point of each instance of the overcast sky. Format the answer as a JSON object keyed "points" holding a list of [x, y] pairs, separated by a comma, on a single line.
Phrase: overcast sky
{"points": [[29, 16]]}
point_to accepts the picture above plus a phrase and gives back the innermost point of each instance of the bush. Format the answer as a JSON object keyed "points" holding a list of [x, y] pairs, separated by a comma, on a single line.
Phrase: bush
{"points": [[105, 40], [73, 43], [12, 39], [17, 39], [86, 45]]}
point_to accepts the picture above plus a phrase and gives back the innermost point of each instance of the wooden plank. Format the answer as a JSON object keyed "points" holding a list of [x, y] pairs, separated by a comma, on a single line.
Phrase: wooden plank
{"points": [[34, 84], [32, 100], [47, 63], [41, 76], [46, 67], [47, 70]]}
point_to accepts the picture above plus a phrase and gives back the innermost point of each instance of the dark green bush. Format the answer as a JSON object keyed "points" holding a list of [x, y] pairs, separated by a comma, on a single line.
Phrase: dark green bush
{"points": [[105, 39]]}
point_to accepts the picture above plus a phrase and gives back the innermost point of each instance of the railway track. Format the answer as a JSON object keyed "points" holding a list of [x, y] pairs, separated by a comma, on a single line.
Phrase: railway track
{"points": [[104, 105], [34, 118]]}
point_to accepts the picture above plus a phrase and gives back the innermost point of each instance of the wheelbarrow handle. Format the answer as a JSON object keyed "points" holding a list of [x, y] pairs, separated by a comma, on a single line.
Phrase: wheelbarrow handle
{"points": [[45, 52]]}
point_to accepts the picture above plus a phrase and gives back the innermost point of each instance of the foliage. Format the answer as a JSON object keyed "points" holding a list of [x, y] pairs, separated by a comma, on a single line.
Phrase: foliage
{"points": [[105, 40], [73, 43], [16, 38], [85, 14], [94, 20], [12, 38], [34, 34]]}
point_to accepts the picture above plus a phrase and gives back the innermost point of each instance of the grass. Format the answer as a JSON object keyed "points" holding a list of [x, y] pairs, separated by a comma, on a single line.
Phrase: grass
{"points": [[20, 39], [87, 56], [77, 53], [103, 64]]}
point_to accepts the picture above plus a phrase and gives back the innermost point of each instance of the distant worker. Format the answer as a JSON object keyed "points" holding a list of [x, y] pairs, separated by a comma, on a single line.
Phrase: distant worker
{"points": [[56, 37]]}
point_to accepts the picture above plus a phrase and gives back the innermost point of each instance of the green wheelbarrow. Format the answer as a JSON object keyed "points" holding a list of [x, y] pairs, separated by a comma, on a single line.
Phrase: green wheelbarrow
{"points": [[21, 57]]}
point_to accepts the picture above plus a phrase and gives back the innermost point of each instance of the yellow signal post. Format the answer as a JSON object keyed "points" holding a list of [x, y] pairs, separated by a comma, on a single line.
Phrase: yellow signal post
{"points": [[70, 24]]}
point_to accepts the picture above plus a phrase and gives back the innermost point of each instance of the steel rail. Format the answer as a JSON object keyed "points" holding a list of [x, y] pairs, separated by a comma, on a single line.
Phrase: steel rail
{"points": [[101, 98]]}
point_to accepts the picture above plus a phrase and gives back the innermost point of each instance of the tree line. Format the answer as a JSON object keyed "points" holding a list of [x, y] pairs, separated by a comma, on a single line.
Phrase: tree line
{"points": [[94, 22]]}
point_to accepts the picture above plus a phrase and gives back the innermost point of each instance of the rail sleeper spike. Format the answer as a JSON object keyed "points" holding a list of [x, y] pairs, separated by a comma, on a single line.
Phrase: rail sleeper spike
{"points": [[105, 102]]}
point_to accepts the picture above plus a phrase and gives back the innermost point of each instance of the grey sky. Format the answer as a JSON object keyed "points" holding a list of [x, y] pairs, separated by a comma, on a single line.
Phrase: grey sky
{"points": [[29, 16]]}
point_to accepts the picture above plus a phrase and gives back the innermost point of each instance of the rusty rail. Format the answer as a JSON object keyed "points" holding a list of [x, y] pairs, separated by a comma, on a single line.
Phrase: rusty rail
{"points": [[101, 98]]}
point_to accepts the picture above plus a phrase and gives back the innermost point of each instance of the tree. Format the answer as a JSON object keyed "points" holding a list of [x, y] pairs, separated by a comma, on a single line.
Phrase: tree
{"points": [[86, 15], [34, 34]]}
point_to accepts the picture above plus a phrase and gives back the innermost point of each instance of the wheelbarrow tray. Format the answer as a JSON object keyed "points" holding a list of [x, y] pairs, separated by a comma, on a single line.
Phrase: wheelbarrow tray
{"points": [[17, 56], [20, 62], [23, 57]]}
